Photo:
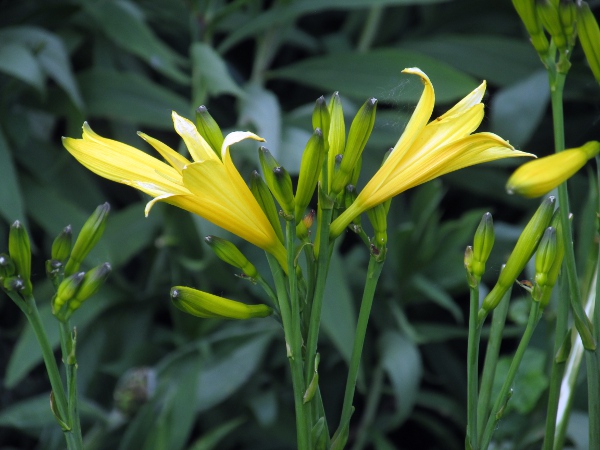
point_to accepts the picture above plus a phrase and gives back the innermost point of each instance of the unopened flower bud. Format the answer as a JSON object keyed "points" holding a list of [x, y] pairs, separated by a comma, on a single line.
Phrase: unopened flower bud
{"points": [[521, 254], [588, 32], [209, 129], [303, 227], [483, 243], [61, 247], [567, 11], [337, 134], [205, 305], [7, 267], [88, 237], [378, 218], [278, 180], [528, 13], [310, 169], [92, 282], [229, 253], [550, 18], [14, 283], [67, 290], [19, 249], [543, 291], [359, 134], [539, 176], [349, 197], [320, 117], [263, 196]]}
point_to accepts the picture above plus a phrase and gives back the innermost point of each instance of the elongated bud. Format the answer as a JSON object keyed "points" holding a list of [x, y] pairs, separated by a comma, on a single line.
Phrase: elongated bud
{"points": [[337, 134], [349, 197], [209, 129], [7, 267], [588, 32], [263, 196], [378, 218], [303, 227], [67, 290], [229, 253], [61, 247], [88, 237], [483, 243], [524, 248], [19, 249], [205, 305], [528, 13], [320, 117], [92, 282], [550, 18], [539, 176], [567, 12], [314, 383], [544, 257], [468, 263], [278, 180], [310, 169], [359, 134]]}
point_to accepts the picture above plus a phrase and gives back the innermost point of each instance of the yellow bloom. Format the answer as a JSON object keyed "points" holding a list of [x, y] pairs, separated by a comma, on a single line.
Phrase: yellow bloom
{"points": [[209, 186], [539, 177], [427, 151], [205, 305]]}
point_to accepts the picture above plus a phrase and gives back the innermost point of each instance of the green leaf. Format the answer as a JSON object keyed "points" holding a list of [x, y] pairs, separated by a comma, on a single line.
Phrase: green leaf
{"points": [[51, 55], [378, 73], [437, 295], [129, 98], [261, 109], [402, 363], [209, 72], [123, 22], [338, 317], [27, 354], [211, 438], [499, 60], [18, 61], [286, 13], [11, 200], [517, 110]]}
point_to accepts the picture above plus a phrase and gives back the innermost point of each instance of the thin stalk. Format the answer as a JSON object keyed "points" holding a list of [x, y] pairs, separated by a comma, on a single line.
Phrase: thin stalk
{"points": [[373, 273], [473, 368], [503, 397], [317, 303], [491, 359], [558, 368], [370, 29], [67, 342], [371, 408], [294, 355]]}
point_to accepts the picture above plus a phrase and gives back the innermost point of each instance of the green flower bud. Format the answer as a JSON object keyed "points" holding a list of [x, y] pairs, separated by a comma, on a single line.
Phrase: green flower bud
{"points": [[92, 282], [229, 253], [588, 32], [349, 197], [550, 18], [14, 283], [378, 218], [7, 267], [310, 169], [205, 305], [545, 255], [264, 198], [356, 172], [209, 129], [314, 383], [528, 13], [67, 290], [337, 134], [359, 134], [88, 237], [19, 249], [61, 247], [567, 11], [278, 180], [524, 248], [303, 227], [482, 245], [321, 119]]}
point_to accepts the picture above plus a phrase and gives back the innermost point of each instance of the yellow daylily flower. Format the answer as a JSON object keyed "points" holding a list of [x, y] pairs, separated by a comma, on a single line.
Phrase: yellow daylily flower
{"points": [[208, 186], [209, 306], [428, 150], [536, 178]]}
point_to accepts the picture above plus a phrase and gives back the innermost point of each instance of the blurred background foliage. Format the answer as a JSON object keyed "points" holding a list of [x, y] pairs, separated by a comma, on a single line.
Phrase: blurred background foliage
{"points": [[153, 378]]}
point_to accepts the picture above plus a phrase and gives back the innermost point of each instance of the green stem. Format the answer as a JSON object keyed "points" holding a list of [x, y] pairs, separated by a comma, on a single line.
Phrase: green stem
{"points": [[558, 368], [294, 355], [373, 273], [473, 368], [503, 397], [67, 343], [317, 302], [491, 359], [370, 29]]}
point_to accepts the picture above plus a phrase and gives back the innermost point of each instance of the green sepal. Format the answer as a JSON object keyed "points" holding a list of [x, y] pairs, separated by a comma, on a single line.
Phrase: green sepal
{"points": [[88, 237], [209, 129]]}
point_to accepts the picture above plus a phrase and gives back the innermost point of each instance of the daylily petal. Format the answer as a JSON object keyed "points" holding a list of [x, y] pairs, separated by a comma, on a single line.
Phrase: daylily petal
{"points": [[195, 143], [470, 100], [234, 138], [175, 159]]}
